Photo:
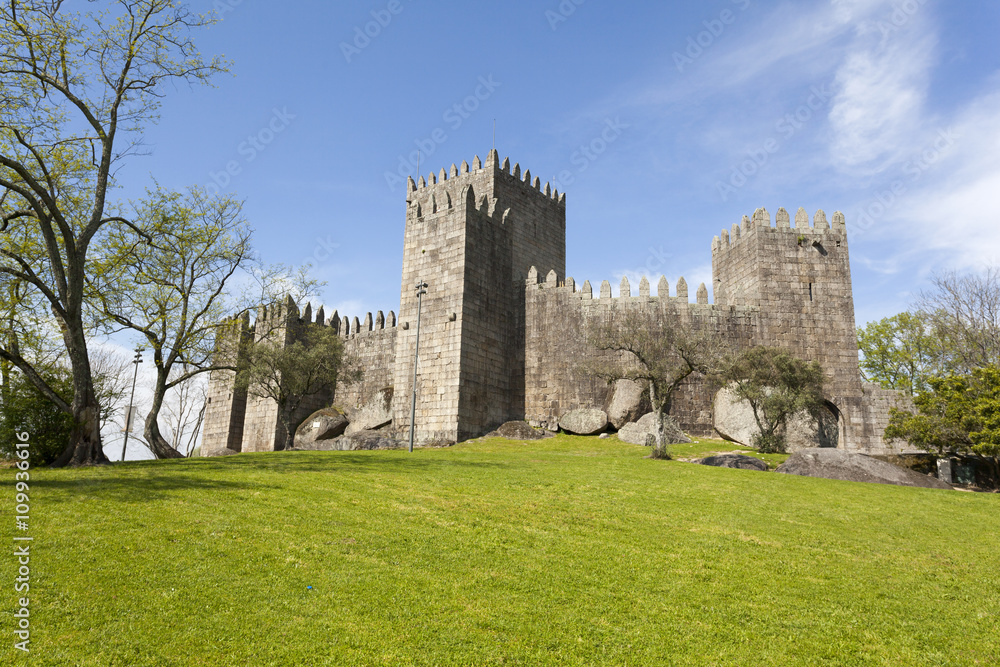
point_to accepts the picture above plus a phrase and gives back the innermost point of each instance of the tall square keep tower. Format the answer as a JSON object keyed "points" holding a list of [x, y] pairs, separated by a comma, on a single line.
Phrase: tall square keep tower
{"points": [[472, 234]]}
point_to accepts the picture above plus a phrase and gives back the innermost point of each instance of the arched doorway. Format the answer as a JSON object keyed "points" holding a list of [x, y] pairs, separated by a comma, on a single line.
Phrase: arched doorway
{"points": [[828, 426]]}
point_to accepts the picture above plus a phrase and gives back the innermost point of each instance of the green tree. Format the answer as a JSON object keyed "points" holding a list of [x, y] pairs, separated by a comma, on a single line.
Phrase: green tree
{"points": [[24, 409], [658, 349], [777, 386], [900, 352], [960, 414], [174, 290], [77, 90], [289, 371]]}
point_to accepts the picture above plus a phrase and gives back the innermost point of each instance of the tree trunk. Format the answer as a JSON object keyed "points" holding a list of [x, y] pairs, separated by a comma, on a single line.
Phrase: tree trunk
{"points": [[289, 434], [660, 448], [197, 427], [84, 447], [157, 443]]}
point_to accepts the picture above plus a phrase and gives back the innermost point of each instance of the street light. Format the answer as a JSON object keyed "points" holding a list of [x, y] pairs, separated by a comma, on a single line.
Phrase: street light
{"points": [[131, 403], [421, 291]]}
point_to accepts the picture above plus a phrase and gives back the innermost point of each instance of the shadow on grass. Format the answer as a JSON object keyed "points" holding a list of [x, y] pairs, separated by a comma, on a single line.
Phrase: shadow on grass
{"points": [[136, 489], [157, 480], [331, 462]]}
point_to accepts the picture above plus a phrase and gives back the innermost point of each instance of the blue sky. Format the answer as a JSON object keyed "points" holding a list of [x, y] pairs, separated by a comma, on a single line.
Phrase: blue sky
{"points": [[885, 110]]}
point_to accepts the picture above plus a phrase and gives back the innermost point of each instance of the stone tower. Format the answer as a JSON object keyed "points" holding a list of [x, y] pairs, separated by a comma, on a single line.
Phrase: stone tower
{"points": [[225, 403], [472, 234], [797, 278]]}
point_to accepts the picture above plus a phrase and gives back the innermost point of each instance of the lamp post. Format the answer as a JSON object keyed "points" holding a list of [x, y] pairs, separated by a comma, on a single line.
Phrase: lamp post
{"points": [[421, 291], [131, 402]]}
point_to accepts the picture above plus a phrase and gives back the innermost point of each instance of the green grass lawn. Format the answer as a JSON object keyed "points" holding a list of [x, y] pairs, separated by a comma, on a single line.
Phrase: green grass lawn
{"points": [[568, 551]]}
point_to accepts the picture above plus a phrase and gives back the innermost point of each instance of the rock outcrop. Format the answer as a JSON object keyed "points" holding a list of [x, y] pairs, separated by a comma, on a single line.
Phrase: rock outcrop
{"points": [[375, 414], [627, 402], [584, 422], [739, 461], [636, 433], [838, 464], [325, 424], [733, 420], [519, 431]]}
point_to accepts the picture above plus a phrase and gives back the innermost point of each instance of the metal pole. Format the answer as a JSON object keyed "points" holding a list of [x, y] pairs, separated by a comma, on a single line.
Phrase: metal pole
{"points": [[131, 401], [421, 290]]}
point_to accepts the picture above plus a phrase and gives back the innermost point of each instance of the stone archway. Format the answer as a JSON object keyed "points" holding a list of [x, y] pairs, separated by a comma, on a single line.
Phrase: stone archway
{"points": [[829, 426], [733, 420]]}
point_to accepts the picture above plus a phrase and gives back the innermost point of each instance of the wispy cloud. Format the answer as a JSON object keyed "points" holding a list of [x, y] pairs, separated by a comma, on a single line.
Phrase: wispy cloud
{"points": [[881, 88]]}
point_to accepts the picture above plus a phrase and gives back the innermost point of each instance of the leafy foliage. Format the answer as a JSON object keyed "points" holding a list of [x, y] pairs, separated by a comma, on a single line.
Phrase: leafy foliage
{"points": [[26, 410], [900, 352], [289, 372], [169, 278], [77, 90], [960, 414], [777, 385]]}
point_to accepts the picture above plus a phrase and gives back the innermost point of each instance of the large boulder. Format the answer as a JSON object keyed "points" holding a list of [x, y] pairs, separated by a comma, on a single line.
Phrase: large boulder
{"points": [[635, 432], [733, 420], [374, 414], [739, 461], [838, 464], [638, 433], [325, 424], [368, 440], [627, 402], [519, 431], [584, 422], [362, 440]]}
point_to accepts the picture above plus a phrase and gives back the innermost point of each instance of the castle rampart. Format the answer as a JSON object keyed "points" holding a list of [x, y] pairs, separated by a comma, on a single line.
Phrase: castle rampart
{"points": [[501, 342]]}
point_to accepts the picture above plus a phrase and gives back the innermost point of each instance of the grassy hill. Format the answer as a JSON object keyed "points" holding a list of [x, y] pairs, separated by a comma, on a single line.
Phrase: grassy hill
{"points": [[569, 551]]}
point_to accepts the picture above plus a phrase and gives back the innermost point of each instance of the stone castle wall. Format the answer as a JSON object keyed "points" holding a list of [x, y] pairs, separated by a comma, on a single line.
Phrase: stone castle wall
{"points": [[499, 344], [557, 316]]}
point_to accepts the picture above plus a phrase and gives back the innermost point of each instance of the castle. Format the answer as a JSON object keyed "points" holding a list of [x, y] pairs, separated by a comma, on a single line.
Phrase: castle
{"points": [[501, 322]]}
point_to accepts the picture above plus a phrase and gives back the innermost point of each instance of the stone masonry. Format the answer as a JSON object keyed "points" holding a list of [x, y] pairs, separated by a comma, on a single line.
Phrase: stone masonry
{"points": [[501, 327]]}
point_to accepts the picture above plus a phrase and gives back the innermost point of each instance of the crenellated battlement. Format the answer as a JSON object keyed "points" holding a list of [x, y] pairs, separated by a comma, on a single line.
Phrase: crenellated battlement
{"points": [[275, 317], [586, 292], [783, 223], [443, 190]]}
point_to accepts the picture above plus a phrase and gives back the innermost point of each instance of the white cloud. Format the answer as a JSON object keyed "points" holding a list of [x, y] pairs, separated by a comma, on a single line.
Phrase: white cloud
{"points": [[882, 86]]}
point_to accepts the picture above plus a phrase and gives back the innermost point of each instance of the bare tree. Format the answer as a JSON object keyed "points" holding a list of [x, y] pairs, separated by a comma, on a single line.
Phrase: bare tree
{"points": [[77, 89], [659, 349], [964, 311], [112, 376], [175, 290], [184, 412]]}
